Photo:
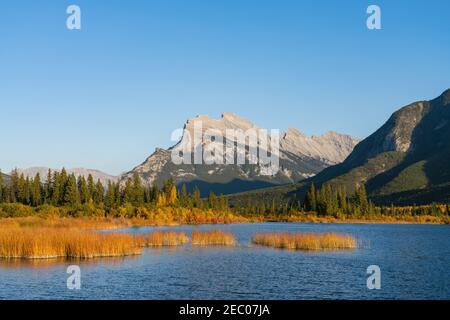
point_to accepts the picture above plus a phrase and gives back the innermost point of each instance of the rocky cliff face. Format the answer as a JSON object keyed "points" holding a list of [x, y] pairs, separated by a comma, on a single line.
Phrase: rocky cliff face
{"points": [[300, 156], [406, 160]]}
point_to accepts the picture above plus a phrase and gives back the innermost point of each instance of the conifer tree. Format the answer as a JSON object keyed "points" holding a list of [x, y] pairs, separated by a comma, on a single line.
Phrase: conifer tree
{"points": [[71, 196], [184, 197], [83, 190], [196, 197], [310, 199], [137, 191], [36, 194], [127, 193], [99, 192], [91, 187], [64, 180], [154, 191], [48, 188], [110, 195], [56, 192], [13, 186]]}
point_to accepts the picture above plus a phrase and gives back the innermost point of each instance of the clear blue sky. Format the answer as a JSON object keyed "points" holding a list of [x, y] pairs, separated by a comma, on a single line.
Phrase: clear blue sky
{"points": [[106, 96]]}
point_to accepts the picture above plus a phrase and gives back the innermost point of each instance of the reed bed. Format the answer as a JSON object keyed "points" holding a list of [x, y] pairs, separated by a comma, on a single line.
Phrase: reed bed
{"points": [[45, 243], [165, 238], [213, 238], [306, 241]]}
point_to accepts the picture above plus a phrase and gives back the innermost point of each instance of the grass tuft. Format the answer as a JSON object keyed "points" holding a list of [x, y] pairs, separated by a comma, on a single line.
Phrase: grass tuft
{"points": [[165, 238], [213, 238], [46, 243], [306, 241]]}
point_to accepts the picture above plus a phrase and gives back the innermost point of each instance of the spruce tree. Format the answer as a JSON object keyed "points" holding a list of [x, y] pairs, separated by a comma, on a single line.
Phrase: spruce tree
{"points": [[127, 192], [91, 187], [48, 187], [110, 195], [83, 190], [310, 199], [138, 191], [196, 199], [64, 180], [56, 192], [71, 195], [36, 194], [99, 192], [184, 195], [13, 186]]}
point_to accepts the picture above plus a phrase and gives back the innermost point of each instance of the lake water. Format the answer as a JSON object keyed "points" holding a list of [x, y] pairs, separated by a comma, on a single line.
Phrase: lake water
{"points": [[414, 262]]}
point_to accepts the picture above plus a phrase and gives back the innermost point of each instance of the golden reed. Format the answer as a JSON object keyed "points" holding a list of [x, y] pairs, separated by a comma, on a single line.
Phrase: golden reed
{"points": [[306, 241], [165, 238], [214, 237], [44, 243]]}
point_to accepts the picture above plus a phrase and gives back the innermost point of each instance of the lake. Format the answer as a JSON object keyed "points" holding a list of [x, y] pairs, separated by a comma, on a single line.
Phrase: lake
{"points": [[414, 262]]}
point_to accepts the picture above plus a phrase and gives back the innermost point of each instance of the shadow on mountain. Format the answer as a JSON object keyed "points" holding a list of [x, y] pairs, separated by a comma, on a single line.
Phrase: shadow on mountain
{"points": [[234, 186]]}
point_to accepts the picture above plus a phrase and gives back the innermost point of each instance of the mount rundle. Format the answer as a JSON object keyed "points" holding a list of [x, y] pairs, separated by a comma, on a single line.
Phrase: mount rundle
{"points": [[300, 157]]}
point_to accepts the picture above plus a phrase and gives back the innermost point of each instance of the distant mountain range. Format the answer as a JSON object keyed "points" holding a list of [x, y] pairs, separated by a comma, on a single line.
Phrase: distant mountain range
{"points": [[300, 157], [43, 171], [406, 161]]}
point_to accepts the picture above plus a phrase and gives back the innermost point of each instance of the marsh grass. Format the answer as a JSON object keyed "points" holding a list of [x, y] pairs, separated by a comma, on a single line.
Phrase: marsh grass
{"points": [[46, 243], [165, 238], [213, 238], [306, 241]]}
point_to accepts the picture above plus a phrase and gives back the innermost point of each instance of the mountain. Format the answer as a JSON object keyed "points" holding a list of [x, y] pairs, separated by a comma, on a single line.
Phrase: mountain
{"points": [[43, 171], [406, 160], [300, 157], [5, 178]]}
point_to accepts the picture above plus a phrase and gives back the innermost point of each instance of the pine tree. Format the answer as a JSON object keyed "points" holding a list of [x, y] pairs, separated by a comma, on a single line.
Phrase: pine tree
{"points": [[83, 190], [48, 188], [56, 193], [167, 188], [117, 197], [99, 192], [154, 191], [127, 196], [196, 197], [311, 199], [362, 201], [91, 187], [138, 191], [36, 194], [342, 200], [110, 195], [64, 180], [13, 186], [184, 197], [71, 195]]}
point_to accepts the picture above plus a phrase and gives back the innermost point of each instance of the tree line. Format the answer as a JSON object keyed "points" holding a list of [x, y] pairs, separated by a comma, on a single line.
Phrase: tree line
{"points": [[63, 189]]}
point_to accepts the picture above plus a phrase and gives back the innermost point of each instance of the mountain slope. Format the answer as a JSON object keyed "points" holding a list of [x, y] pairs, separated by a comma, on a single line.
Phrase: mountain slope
{"points": [[43, 171], [300, 157], [5, 178], [403, 160]]}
